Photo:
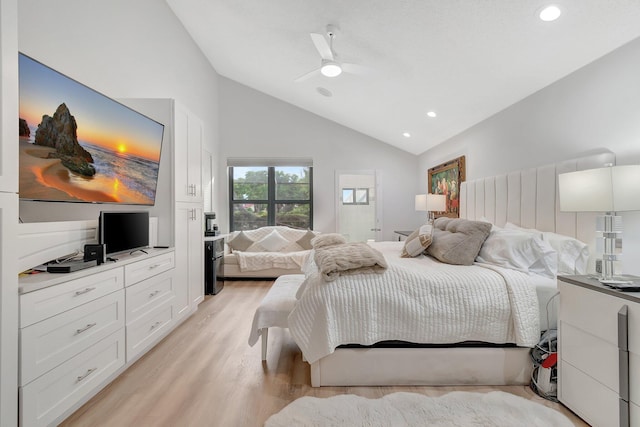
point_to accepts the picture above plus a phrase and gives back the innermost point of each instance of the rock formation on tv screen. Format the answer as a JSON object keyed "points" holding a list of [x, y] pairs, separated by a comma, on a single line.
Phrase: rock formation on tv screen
{"points": [[23, 128], [59, 132]]}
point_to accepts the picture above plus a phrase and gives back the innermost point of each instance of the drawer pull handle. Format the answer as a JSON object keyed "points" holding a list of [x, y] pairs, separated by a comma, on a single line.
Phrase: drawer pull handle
{"points": [[154, 293], [86, 328], [155, 325], [86, 290], [89, 372], [151, 267]]}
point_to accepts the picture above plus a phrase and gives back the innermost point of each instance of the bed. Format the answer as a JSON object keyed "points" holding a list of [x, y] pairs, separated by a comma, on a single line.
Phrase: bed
{"points": [[341, 355]]}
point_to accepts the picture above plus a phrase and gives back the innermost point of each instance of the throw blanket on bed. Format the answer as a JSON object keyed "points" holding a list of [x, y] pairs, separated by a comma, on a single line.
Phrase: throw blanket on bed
{"points": [[417, 300], [255, 261], [348, 258]]}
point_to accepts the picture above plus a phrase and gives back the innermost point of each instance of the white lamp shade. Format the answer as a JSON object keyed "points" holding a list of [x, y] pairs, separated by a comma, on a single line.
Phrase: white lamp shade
{"points": [[436, 202], [421, 202], [609, 189]]}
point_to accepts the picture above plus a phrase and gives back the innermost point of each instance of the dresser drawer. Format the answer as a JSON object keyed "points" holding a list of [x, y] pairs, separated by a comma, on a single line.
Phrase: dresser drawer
{"points": [[141, 270], [578, 306], [44, 303], [148, 328], [144, 296], [51, 395], [594, 402], [45, 345], [590, 354]]}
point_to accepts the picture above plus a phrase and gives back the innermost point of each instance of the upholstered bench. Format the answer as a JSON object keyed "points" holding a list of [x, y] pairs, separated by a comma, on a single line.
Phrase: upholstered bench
{"points": [[274, 309]]}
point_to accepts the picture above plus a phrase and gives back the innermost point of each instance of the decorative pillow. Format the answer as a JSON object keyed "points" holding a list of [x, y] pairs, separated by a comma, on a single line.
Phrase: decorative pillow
{"points": [[273, 242], [240, 243], [519, 250], [418, 241], [305, 241], [328, 239], [573, 255], [457, 241]]}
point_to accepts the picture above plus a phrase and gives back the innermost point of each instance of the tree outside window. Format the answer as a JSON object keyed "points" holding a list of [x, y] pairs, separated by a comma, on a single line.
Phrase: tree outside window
{"points": [[271, 195]]}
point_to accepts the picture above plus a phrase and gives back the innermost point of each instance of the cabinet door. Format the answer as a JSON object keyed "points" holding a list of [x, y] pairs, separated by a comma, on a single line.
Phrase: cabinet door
{"points": [[196, 257], [195, 157], [181, 302], [188, 152]]}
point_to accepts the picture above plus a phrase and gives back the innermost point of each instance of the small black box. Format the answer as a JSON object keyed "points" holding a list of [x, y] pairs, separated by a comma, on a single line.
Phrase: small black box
{"points": [[94, 252]]}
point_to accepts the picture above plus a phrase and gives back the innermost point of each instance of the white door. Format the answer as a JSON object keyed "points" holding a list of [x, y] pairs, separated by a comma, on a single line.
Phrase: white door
{"points": [[357, 205]]}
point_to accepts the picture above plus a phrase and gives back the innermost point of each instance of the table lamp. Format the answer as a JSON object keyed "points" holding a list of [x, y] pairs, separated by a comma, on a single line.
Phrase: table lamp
{"points": [[610, 189]]}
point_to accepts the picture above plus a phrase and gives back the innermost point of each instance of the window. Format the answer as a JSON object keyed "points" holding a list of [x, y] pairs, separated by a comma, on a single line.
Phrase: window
{"points": [[355, 196], [270, 195]]}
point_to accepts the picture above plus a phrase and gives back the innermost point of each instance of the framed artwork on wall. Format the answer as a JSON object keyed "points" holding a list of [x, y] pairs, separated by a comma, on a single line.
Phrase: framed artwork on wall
{"points": [[445, 179]]}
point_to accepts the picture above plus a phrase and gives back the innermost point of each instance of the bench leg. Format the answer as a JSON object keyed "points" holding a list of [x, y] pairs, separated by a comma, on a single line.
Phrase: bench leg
{"points": [[264, 332]]}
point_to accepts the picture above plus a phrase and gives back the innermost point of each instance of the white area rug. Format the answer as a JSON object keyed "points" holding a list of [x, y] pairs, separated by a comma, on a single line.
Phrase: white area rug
{"points": [[459, 408]]}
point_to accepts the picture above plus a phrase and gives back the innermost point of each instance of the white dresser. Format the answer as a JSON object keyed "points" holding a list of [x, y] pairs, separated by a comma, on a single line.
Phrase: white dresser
{"points": [[78, 331], [599, 352]]}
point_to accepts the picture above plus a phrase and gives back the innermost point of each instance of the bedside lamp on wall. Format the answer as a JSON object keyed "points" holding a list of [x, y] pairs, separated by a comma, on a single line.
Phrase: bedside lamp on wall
{"points": [[610, 189]]}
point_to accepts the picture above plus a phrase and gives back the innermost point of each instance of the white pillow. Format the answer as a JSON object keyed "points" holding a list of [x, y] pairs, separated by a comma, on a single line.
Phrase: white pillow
{"points": [[273, 242], [418, 241], [573, 255], [519, 250]]}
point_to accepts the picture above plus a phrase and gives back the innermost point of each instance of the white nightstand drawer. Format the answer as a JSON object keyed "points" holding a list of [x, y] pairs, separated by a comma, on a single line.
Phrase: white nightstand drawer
{"points": [[45, 345], [590, 354], [149, 294], [634, 378], [141, 270], [590, 311], [49, 396], [144, 331], [44, 303], [591, 400]]}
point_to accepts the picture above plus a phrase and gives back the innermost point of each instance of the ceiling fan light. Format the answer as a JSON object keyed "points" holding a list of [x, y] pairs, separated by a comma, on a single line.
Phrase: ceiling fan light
{"points": [[330, 69]]}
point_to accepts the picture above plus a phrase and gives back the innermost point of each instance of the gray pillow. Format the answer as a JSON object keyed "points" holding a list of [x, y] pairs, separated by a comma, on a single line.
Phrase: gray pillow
{"points": [[457, 241], [240, 243], [305, 241]]}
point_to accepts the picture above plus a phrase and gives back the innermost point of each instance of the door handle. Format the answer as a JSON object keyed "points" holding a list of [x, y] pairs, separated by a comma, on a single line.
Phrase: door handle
{"points": [[376, 229]]}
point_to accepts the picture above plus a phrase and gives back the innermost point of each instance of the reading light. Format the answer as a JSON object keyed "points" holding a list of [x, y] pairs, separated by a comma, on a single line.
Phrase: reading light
{"points": [[330, 68], [550, 13]]}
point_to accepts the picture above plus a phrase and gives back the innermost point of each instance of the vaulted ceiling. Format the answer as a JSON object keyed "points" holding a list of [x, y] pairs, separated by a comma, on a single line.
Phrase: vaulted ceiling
{"points": [[465, 60]]}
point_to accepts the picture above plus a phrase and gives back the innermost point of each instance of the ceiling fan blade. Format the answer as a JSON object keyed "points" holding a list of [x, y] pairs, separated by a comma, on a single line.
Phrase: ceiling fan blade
{"points": [[322, 45], [307, 75]]}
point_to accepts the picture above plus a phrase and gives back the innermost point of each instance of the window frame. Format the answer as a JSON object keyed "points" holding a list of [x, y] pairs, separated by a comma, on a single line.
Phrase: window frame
{"points": [[271, 201]]}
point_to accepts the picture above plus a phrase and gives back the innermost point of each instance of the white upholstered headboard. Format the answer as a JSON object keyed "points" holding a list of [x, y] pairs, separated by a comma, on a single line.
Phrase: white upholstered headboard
{"points": [[529, 198]]}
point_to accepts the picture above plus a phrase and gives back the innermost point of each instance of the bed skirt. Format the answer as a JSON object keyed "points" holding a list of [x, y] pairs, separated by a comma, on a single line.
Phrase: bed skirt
{"points": [[440, 366]]}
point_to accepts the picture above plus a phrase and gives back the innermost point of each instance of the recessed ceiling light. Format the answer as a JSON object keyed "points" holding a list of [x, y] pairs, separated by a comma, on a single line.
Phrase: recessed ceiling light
{"points": [[431, 114], [406, 134], [324, 91], [550, 13]]}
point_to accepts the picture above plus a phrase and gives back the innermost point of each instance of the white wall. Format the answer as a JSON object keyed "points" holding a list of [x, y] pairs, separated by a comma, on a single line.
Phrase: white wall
{"points": [[594, 108], [123, 49], [253, 124]]}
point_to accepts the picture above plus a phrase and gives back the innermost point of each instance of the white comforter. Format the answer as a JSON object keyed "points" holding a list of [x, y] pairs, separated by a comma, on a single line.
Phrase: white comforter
{"points": [[417, 300], [256, 261]]}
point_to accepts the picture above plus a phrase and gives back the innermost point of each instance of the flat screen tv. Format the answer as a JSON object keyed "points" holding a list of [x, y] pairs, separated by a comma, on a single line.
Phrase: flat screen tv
{"points": [[77, 145], [123, 231]]}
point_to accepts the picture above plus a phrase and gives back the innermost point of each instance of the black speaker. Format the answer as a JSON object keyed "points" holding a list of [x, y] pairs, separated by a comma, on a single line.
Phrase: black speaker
{"points": [[96, 252]]}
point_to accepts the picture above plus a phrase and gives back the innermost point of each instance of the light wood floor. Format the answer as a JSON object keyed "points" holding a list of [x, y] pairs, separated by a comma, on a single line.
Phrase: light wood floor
{"points": [[205, 374]]}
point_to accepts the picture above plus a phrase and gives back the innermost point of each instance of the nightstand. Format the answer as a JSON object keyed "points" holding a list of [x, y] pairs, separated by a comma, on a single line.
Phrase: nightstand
{"points": [[599, 352], [402, 235]]}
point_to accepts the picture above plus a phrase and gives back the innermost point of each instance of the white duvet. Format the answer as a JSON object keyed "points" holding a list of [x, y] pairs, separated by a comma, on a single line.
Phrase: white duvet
{"points": [[418, 300]]}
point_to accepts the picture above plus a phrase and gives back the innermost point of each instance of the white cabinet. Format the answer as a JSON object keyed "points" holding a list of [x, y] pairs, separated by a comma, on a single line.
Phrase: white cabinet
{"points": [[598, 333], [188, 137], [79, 331], [8, 96], [189, 244]]}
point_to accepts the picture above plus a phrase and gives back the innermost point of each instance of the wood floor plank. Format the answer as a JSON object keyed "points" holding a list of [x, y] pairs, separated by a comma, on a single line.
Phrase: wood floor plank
{"points": [[205, 374]]}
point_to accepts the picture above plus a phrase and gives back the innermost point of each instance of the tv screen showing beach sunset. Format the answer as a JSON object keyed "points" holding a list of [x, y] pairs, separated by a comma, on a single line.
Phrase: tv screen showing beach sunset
{"points": [[77, 145]]}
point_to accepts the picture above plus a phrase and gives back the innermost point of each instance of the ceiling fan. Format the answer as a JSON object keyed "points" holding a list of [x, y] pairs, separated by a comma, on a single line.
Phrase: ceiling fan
{"points": [[330, 65]]}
